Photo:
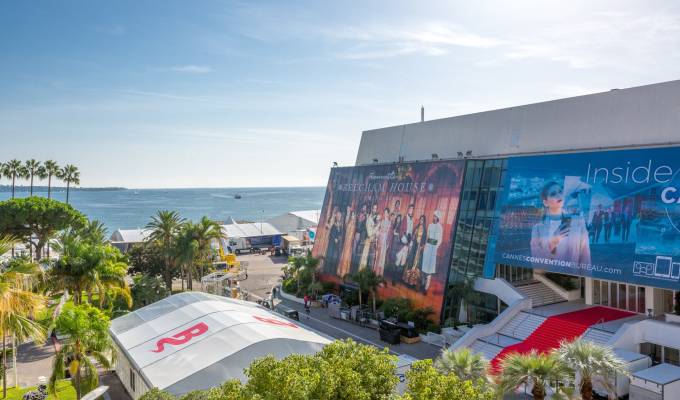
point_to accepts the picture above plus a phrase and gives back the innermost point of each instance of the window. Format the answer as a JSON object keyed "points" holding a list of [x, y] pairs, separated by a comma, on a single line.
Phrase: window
{"points": [[671, 355], [632, 304], [596, 292], [654, 351], [641, 300], [622, 296], [132, 380], [605, 293]]}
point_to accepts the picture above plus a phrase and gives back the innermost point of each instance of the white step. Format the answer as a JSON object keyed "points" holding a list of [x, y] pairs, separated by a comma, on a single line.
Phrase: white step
{"points": [[597, 336], [487, 350], [522, 325], [540, 294]]}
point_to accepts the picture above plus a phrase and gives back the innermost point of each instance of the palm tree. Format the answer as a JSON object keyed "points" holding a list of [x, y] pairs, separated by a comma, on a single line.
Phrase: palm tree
{"points": [[590, 361], [87, 330], [91, 267], [17, 302], [463, 290], [463, 363], [367, 281], [536, 369], [12, 170], [70, 175], [94, 231], [32, 168], [164, 228], [206, 232], [51, 169]]}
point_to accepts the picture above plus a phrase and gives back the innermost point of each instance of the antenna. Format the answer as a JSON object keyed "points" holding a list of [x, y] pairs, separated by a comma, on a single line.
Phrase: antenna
{"points": [[422, 113]]}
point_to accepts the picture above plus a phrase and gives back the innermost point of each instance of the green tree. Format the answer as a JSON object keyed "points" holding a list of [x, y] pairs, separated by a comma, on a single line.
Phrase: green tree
{"points": [[194, 246], [13, 169], [367, 281], [164, 229], [534, 369], [51, 168], [17, 303], [90, 267], [148, 258], [464, 291], [37, 219], [590, 362], [87, 330], [342, 370], [32, 168], [70, 175], [146, 290], [463, 363], [426, 383]]}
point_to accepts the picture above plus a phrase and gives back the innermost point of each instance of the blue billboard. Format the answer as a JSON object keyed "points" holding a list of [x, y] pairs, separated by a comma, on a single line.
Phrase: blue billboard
{"points": [[609, 215]]}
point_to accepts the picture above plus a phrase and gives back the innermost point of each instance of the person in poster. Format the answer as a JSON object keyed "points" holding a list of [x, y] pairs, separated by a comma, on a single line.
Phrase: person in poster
{"points": [[393, 268], [434, 239], [382, 242], [413, 274], [558, 235], [334, 241], [368, 250], [359, 238], [348, 242]]}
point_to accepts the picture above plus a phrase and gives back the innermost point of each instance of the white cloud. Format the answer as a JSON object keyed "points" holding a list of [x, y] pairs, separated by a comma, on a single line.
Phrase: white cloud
{"points": [[191, 69], [383, 41]]}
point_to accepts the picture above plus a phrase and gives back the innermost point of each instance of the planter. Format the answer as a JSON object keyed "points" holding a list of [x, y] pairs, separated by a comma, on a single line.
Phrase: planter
{"points": [[315, 304], [410, 340]]}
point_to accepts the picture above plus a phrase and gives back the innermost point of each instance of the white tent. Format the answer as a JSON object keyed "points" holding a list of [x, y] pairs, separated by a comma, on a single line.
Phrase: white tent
{"points": [[124, 239], [296, 222], [195, 340]]}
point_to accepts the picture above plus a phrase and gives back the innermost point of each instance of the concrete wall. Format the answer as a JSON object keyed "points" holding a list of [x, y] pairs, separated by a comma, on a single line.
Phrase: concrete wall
{"points": [[645, 115]]}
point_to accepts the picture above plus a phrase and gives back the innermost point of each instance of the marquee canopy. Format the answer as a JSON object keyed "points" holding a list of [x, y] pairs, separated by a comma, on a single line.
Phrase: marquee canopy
{"points": [[195, 340]]}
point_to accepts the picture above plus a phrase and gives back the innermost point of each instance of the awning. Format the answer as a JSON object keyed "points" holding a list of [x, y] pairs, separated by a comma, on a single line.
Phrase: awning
{"points": [[290, 238]]}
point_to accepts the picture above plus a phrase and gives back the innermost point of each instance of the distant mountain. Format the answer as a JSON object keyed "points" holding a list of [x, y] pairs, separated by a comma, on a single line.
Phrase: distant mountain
{"points": [[22, 188]]}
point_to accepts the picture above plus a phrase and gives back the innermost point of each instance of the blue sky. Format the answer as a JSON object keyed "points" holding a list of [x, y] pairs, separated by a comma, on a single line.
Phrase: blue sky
{"points": [[228, 94]]}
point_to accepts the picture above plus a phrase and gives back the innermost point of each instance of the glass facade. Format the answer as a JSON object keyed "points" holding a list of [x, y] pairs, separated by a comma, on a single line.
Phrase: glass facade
{"points": [[619, 295], [481, 187]]}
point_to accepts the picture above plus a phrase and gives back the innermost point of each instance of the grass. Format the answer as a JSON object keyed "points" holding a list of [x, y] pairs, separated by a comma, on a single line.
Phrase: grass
{"points": [[64, 390]]}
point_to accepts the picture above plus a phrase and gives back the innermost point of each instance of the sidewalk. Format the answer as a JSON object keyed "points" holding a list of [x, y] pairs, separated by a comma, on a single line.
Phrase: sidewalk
{"points": [[339, 329]]}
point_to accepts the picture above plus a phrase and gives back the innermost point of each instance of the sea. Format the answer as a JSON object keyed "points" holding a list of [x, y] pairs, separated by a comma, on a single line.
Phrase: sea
{"points": [[133, 208]]}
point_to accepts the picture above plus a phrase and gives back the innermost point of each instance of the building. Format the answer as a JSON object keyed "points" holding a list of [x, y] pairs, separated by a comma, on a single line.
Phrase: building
{"points": [[296, 223], [244, 236], [563, 213], [124, 239], [212, 338]]}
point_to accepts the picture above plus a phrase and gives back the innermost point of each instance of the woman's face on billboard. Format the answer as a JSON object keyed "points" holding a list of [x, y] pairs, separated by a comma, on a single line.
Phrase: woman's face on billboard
{"points": [[554, 198]]}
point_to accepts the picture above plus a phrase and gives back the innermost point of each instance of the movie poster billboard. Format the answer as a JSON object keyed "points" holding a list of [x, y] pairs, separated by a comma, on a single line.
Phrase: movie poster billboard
{"points": [[611, 215], [396, 220]]}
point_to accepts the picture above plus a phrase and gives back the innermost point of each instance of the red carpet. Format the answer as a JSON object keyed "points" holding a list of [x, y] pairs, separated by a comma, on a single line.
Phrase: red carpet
{"points": [[557, 328]]}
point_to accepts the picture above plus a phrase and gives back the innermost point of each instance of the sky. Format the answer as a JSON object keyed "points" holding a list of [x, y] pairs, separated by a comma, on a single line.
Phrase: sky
{"points": [[164, 94]]}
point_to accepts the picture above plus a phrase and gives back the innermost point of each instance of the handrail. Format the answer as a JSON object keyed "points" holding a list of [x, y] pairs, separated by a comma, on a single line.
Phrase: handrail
{"points": [[518, 325]]}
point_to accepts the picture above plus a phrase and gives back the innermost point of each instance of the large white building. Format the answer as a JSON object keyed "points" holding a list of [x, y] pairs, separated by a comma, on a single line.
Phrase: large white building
{"points": [[591, 151]]}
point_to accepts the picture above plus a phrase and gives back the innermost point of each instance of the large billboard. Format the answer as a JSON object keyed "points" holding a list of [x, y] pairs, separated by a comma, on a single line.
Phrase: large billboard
{"points": [[609, 215], [395, 219]]}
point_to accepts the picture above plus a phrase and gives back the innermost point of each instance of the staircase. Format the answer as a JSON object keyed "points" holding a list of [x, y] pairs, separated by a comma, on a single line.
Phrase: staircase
{"points": [[487, 350], [515, 331], [522, 325], [598, 336], [540, 294]]}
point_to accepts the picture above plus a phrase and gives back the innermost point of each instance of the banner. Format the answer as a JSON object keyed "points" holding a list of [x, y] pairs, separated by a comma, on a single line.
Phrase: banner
{"points": [[397, 220], [609, 215]]}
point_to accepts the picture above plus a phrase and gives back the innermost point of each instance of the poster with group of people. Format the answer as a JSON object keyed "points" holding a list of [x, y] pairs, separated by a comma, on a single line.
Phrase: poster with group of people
{"points": [[610, 215], [396, 220]]}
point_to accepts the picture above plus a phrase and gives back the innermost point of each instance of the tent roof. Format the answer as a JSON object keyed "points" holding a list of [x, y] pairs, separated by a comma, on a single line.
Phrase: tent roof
{"points": [[309, 215], [661, 374], [255, 229], [195, 340], [130, 235]]}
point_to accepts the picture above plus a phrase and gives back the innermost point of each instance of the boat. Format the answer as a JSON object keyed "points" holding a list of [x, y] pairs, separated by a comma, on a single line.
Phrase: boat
{"points": [[237, 196]]}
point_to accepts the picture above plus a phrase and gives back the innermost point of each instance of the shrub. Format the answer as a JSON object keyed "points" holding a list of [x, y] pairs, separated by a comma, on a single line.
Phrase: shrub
{"points": [[290, 286]]}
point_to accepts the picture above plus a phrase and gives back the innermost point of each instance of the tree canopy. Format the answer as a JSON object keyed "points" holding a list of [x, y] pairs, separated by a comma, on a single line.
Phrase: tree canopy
{"points": [[37, 217]]}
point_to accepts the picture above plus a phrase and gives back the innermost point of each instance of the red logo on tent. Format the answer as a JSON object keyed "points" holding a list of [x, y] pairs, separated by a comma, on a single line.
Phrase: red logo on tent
{"points": [[274, 321], [181, 337]]}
